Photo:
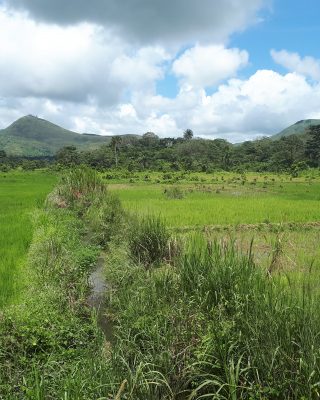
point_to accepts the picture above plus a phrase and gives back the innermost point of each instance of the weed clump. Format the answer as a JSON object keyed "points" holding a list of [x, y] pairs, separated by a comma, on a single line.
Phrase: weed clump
{"points": [[147, 241], [174, 192], [105, 218], [77, 189]]}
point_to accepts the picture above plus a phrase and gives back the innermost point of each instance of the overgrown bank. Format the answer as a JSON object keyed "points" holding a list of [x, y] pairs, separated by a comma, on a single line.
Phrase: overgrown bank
{"points": [[192, 318], [49, 345]]}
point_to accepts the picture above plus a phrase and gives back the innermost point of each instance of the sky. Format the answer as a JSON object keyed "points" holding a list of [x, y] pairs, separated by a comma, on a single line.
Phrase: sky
{"points": [[232, 69]]}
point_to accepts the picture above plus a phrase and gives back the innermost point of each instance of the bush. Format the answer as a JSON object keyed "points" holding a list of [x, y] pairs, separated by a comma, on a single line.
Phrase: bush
{"points": [[148, 240]]}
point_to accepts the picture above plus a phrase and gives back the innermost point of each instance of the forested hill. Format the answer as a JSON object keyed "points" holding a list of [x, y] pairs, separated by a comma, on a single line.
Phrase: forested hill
{"points": [[31, 136], [299, 128]]}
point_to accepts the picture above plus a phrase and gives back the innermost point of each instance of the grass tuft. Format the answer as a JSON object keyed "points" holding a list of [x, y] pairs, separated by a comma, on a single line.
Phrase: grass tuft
{"points": [[148, 240]]}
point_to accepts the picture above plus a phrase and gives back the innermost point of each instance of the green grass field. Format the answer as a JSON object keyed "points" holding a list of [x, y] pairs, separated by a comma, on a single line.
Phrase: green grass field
{"points": [[20, 192], [230, 209], [224, 203]]}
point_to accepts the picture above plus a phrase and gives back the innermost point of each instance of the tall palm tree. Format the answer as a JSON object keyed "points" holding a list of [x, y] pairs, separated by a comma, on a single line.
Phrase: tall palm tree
{"points": [[115, 143]]}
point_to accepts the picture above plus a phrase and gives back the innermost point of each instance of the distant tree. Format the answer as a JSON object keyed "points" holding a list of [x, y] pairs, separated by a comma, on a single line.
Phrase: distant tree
{"points": [[149, 139], [312, 150], [68, 156], [188, 134], [3, 155], [115, 144]]}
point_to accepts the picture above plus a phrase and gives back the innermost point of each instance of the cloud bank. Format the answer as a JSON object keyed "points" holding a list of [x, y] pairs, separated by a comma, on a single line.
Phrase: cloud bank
{"points": [[163, 21], [95, 67]]}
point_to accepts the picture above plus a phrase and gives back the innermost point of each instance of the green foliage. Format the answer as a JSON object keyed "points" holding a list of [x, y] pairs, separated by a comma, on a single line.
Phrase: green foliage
{"points": [[212, 324], [34, 137], [209, 200], [83, 190], [57, 254], [68, 156], [188, 134], [148, 240], [313, 146]]}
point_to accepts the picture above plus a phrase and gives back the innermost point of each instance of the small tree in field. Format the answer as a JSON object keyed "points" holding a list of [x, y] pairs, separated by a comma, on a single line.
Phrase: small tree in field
{"points": [[188, 134]]}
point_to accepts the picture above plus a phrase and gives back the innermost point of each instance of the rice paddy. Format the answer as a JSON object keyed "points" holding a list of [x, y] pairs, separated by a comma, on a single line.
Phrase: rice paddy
{"points": [[267, 210], [20, 193], [259, 199]]}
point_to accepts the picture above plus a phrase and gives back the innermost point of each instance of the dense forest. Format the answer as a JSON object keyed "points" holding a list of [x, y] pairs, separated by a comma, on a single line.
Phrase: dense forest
{"points": [[149, 152]]}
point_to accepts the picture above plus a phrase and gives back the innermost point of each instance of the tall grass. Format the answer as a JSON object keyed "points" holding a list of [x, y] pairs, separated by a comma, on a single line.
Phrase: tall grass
{"points": [[77, 188], [43, 339], [217, 326], [148, 240], [263, 332]]}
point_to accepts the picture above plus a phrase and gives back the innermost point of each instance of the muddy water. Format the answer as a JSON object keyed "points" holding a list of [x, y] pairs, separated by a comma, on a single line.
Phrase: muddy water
{"points": [[96, 300]]}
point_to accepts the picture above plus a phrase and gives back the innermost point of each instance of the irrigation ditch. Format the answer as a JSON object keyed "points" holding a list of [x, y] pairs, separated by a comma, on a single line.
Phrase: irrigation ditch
{"points": [[96, 299]]}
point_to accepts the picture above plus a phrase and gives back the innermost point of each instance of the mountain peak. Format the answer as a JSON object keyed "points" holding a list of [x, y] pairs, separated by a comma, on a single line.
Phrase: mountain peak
{"points": [[34, 136]]}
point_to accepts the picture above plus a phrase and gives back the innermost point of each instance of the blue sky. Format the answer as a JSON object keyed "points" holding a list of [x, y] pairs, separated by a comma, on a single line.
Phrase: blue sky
{"points": [[225, 68], [291, 25]]}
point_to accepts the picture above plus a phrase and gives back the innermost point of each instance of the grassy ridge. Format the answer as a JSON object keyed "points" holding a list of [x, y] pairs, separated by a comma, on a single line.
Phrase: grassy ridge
{"points": [[19, 194]]}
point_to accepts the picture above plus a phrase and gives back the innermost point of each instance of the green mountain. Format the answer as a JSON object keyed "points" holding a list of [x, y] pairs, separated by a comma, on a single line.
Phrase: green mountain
{"points": [[32, 136], [299, 128]]}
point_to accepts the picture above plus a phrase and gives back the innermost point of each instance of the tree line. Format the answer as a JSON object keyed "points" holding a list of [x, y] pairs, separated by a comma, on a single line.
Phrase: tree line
{"points": [[149, 152]]}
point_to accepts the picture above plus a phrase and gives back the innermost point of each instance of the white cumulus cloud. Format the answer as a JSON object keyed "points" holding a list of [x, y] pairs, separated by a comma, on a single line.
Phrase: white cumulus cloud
{"points": [[205, 66], [308, 66], [80, 63]]}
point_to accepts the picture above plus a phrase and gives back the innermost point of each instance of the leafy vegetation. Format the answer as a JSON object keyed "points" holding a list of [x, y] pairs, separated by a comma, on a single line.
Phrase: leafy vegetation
{"points": [[292, 154], [148, 240]]}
